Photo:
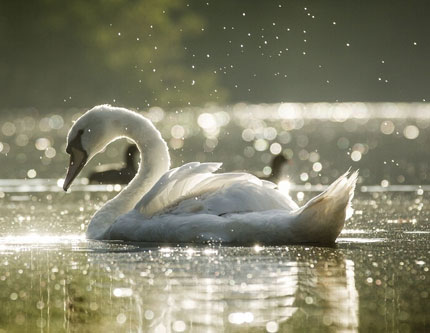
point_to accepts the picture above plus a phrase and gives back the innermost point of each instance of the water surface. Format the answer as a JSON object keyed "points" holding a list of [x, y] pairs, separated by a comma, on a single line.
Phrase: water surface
{"points": [[375, 278]]}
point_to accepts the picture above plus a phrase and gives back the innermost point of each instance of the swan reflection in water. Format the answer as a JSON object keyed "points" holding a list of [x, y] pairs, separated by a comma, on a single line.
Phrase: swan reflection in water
{"points": [[90, 285], [304, 294]]}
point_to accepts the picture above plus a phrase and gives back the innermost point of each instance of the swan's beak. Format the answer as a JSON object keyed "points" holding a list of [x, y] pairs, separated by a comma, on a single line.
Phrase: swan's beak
{"points": [[78, 159]]}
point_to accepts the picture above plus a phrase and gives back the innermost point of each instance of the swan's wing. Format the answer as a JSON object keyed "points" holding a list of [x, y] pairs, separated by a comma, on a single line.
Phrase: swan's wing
{"points": [[242, 195], [173, 185], [194, 187]]}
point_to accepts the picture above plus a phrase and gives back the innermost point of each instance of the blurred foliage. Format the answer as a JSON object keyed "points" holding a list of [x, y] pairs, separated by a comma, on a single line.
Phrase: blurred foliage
{"points": [[80, 53], [188, 52]]}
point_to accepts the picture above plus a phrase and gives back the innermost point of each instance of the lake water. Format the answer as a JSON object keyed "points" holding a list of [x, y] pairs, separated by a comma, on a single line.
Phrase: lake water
{"points": [[374, 279]]}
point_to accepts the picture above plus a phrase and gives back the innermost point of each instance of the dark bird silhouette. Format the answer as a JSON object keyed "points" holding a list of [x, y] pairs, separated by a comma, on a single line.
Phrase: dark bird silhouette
{"points": [[277, 164], [107, 174]]}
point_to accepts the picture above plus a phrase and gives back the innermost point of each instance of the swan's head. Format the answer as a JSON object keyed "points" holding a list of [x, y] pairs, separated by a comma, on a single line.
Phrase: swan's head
{"points": [[89, 135]]}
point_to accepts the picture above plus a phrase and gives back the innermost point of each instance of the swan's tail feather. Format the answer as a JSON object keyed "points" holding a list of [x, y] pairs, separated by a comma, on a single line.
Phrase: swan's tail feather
{"points": [[324, 216]]}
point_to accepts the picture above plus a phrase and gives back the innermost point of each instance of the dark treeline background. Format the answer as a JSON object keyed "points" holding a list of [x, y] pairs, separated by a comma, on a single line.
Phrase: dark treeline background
{"points": [[175, 53]]}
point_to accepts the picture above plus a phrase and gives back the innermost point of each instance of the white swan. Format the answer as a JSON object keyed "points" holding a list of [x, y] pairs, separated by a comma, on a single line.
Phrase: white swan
{"points": [[192, 203]]}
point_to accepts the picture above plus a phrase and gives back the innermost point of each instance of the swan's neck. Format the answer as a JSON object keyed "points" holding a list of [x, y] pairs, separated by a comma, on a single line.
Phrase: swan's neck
{"points": [[154, 162]]}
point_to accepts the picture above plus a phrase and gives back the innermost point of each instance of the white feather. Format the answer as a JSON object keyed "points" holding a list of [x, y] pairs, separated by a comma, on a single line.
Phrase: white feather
{"points": [[194, 187]]}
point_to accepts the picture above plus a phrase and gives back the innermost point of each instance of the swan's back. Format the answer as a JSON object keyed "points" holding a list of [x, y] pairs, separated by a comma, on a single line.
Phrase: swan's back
{"points": [[194, 188]]}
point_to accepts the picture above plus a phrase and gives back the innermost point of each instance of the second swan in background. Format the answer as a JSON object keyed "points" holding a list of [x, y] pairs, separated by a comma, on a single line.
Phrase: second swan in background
{"points": [[116, 174]]}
